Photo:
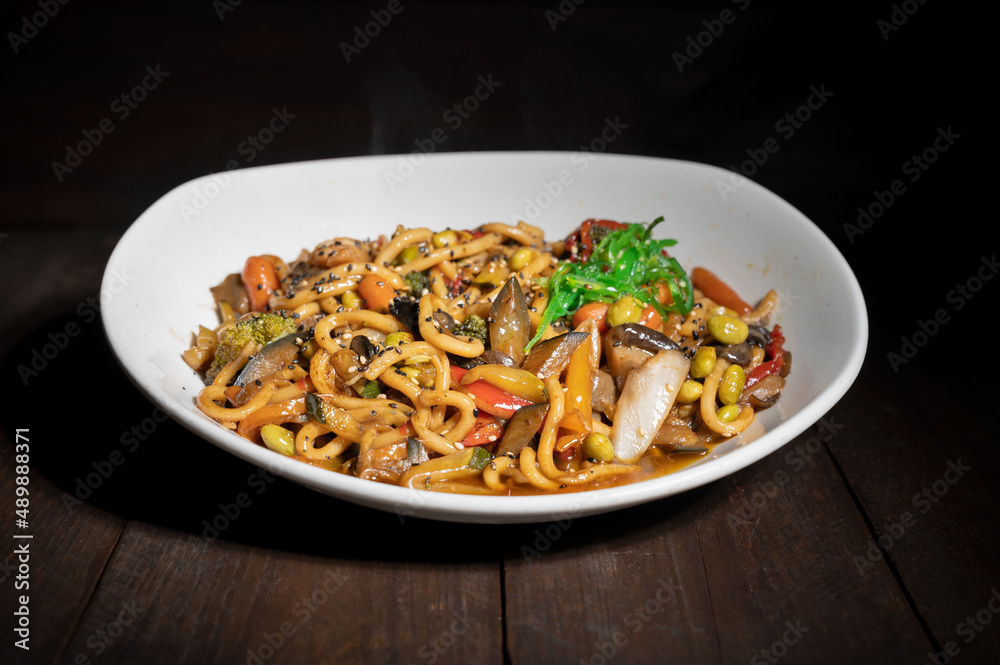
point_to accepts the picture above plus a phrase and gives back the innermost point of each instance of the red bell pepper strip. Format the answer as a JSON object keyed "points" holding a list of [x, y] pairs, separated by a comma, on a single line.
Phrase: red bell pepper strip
{"points": [[583, 237], [486, 432], [488, 397], [776, 354]]}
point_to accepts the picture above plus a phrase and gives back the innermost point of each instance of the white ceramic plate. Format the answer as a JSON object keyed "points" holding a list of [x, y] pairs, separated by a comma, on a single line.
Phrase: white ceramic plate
{"points": [[156, 285]]}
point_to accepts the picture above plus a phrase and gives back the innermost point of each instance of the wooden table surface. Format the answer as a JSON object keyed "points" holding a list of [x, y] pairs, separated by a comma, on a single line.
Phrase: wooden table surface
{"points": [[870, 538]]}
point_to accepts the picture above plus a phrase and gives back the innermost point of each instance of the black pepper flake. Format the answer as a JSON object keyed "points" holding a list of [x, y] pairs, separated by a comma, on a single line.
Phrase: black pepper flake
{"points": [[373, 412], [369, 267], [694, 334], [475, 413], [393, 405], [257, 383], [350, 267], [340, 309], [260, 286]]}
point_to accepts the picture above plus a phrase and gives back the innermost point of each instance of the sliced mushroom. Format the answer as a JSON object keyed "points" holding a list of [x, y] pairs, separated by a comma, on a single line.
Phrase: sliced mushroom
{"points": [[552, 355], [272, 358], [363, 346], [622, 360], [674, 433], [494, 357], [231, 290], [521, 429], [629, 345], [786, 365], [642, 337], [734, 353], [443, 320], [338, 251], [510, 323], [603, 394], [764, 393], [758, 335]]}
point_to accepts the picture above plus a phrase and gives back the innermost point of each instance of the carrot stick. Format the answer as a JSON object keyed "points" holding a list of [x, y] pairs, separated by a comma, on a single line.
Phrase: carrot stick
{"points": [[714, 288], [260, 280]]}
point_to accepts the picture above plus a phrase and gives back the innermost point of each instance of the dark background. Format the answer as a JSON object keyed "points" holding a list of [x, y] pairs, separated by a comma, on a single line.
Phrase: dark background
{"points": [[229, 66]]}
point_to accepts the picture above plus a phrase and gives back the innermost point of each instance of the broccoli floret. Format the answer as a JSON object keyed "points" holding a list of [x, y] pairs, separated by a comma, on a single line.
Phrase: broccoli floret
{"points": [[473, 326], [417, 281], [261, 329]]}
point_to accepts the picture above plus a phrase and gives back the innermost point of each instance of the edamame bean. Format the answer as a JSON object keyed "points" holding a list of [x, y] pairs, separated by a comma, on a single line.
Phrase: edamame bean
{"points": [[731, 385], [728, 329], [624, 310], [598, 447], [703, 362]]}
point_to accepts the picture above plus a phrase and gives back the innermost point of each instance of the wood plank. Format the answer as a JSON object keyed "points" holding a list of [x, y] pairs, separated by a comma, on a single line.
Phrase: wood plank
{"points": [[331, 583], [924, 467], [760, 557], [68, 549]]}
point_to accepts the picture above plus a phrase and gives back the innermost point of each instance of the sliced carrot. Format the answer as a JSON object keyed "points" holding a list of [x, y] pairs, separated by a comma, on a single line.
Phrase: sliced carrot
{"points": [[377, 292], [260, 280], [650, 318], [596, 312], [714, 288]]}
